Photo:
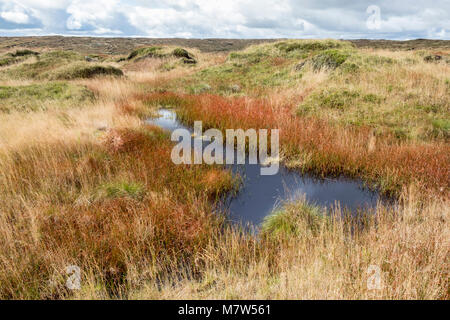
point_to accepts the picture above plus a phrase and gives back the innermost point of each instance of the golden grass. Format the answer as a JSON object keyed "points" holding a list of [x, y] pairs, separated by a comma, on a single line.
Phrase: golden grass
{"points": [[93, 186], [410, 246], [152, 71]]}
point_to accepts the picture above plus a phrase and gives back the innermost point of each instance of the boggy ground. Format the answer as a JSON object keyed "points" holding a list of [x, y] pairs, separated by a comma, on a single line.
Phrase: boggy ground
{"points": [[84, 181]]}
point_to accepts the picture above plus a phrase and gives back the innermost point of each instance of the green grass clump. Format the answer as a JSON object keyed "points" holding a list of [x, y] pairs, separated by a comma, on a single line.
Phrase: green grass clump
{"points": [[122, 189], [146, 52], [358, 62], [8, 60], [162, 52], [329, 59], [25, 52], [441, 128], [270, 65], [251, 57], [406, 119], [59, 65], [181, 53], [246, 71], [37, 96], [311, 45], [331, 99], [84, 71], [16, 57], [41, 68], [294, 219], [291, 49]]}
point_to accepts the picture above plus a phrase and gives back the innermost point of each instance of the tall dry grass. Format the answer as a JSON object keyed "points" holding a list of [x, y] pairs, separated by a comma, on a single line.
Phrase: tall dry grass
{"points": [[92, 186], [409, 245], [106, 207]]}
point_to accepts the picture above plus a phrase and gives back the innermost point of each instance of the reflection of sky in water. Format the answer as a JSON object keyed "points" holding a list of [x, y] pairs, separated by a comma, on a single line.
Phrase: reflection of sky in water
{"points": [[259, 194]]}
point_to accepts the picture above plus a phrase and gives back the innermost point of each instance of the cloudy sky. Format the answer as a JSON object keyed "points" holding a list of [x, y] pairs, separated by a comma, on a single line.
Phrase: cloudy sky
{"points": [[389, 19]]}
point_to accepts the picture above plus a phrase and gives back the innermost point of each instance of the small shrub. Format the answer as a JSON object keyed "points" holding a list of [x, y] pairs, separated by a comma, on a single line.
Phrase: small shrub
{"points": [[349, 67]]}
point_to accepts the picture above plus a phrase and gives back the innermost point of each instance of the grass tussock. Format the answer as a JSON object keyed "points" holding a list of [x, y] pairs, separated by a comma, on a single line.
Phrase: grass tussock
{"points": [[95, 187], [85, 71], [296, 219], [16, 57], [162, 52], [42, 66], [58, 65]]}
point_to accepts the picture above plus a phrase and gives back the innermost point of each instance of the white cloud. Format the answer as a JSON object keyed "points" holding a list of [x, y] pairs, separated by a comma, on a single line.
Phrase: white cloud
{"points": [[90, 13], [15, 16], [102, 30], [45, 4], [231, 18], [14, 12]]}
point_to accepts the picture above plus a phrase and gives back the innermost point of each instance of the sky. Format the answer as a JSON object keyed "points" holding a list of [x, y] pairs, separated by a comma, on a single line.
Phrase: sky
{"points": [[347, 19]]}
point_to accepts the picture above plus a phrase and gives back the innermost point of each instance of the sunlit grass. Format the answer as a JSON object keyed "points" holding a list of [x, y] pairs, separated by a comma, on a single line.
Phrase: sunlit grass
{"points": [[92, 185]]}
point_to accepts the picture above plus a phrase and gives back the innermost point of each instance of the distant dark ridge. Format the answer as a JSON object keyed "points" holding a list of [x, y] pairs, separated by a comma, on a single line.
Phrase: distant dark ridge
{"points": [[126, 45], [402, 45], [123, 45]]}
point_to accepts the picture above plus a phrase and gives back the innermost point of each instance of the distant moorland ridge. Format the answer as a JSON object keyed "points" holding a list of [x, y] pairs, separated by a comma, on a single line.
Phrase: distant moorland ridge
{"points": [[124, 45]]}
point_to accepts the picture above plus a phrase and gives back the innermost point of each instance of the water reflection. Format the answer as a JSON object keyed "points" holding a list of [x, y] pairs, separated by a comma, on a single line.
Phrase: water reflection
{"points": [[260, 195]]}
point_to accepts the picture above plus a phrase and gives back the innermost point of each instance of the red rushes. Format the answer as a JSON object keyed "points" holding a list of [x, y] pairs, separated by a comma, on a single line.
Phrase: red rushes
{"points": [[330, 149], [79, 222]]}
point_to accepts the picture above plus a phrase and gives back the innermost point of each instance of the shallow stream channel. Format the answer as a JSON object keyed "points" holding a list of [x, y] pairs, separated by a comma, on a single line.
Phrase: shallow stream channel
{"points": [[260, 195]]}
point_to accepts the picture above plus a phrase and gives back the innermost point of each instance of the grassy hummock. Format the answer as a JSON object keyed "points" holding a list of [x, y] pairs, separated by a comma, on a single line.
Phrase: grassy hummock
{"points": [[85, 71], [39, 96], [294, 219]]}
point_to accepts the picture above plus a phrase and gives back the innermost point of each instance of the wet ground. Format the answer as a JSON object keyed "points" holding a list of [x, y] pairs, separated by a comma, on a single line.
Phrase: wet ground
{"points": [[259, 195]]}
